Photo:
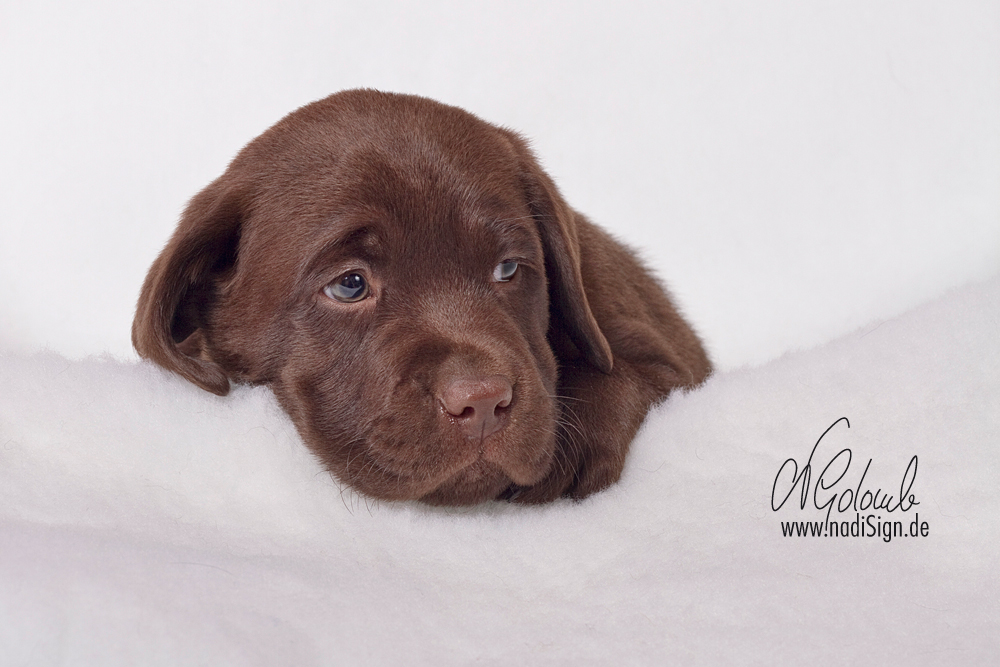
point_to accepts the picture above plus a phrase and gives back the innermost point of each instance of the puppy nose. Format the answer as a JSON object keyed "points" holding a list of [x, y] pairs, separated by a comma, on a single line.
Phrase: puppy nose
{"points": [[478, 406]]}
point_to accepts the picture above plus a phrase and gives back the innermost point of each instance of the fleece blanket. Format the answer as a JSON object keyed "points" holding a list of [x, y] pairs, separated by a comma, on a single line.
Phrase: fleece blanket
{"points": [[835, 505]]}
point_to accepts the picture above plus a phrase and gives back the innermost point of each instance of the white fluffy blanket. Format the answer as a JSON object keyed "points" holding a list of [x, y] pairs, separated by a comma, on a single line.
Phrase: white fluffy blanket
{"points": [[143, 521]]}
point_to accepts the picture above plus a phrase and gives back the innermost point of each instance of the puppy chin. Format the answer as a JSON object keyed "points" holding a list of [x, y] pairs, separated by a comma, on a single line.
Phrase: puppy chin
{"points": [[462, 483], [442, 466], [488, 478], [524, 466], [476, 483]]}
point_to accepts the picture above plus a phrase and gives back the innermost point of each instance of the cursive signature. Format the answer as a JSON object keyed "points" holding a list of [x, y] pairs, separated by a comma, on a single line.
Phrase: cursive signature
{"points": [[826, 496]]}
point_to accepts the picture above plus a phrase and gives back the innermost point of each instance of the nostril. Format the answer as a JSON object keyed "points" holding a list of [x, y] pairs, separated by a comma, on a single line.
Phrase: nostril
{"points": [[463, 397], [478, 405]]}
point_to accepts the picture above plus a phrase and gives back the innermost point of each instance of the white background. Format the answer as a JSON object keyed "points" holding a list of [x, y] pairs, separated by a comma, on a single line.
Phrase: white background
{"points": [[793, 170], [797, 172]]}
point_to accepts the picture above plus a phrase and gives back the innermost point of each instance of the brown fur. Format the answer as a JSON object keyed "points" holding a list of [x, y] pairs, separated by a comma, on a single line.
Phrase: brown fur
{"points": [[557, 366]]}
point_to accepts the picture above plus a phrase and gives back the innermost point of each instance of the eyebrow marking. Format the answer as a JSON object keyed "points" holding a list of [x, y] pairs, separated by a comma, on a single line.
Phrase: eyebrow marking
{"points": [[362, 241], [508, 229], [520, 217]]}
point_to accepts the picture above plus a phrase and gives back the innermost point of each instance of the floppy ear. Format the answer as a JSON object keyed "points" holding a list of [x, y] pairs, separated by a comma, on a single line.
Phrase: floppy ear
{"points": [[557, 223], [180, 287]]}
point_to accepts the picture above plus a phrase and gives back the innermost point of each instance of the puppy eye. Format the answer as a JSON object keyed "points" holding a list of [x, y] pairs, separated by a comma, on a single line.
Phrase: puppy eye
{"points": [[348, 288], [504, 271]]}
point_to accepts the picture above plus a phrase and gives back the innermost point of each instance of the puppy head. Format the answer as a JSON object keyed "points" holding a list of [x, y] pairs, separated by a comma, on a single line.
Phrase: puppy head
{"points": [[393, 268]]}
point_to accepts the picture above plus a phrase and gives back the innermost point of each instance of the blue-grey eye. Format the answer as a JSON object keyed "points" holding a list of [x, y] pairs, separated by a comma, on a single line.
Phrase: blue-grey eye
{"points": [[348, 288], [504, 271]]}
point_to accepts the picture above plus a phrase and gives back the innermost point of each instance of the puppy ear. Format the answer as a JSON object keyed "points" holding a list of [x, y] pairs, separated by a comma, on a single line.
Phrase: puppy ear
{"points": [[180, 286], [557, 223]]}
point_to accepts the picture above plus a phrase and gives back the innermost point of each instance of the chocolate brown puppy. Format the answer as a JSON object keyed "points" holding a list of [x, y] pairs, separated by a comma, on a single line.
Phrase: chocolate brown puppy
{"points": [[439, 324]]}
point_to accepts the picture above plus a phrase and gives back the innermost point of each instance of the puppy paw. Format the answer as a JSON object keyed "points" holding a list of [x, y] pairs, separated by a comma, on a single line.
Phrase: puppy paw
{"points": [[576, 474]]}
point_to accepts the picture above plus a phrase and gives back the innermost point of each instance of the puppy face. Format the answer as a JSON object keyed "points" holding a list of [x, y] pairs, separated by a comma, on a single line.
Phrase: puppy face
{"points": [[385, 264], [412, 325]]}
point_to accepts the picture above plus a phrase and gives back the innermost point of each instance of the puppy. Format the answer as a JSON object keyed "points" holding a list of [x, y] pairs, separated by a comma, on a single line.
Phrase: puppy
{"points": [[439, 324]]}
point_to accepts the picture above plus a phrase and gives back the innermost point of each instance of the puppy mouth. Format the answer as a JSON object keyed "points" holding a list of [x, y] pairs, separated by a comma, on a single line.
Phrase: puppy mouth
{"points": [[463, 483], [472, 443], [485, 470], [477, 482], [451, 433]]}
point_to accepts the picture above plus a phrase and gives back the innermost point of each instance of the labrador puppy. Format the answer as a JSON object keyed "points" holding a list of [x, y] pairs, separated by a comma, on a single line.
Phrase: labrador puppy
{"points": [[439, 324]]}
